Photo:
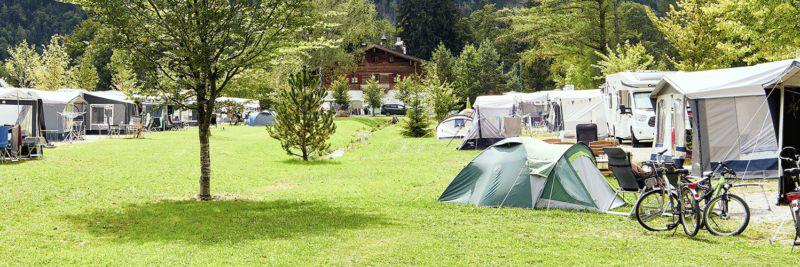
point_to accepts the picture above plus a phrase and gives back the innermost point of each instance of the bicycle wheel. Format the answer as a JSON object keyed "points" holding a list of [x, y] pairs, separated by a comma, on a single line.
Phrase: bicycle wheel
{"points": [[726, 215], [796, 219], [691, 216], [654, 212]]}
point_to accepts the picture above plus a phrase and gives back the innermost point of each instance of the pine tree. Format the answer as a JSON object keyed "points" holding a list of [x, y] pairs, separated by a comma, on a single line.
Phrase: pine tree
{"points": [[302, 126], [426, 23], [373, 94], [412, 94], [443, 61], [341, 96]]}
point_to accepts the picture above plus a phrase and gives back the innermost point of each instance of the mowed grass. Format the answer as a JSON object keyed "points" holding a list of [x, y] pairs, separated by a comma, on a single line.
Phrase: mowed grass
{"points": [[120, 202]]}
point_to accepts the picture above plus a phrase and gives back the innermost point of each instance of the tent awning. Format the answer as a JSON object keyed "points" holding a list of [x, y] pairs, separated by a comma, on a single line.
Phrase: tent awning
{"points": [[741, 81]]}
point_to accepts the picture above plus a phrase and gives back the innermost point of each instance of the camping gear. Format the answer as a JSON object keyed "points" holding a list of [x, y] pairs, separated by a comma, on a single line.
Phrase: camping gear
{"points": [[586, 133], [487, 121], [740, 116], [454, 127], [105, 106], [570, 108], [4, 144], [61, 111], [263, 118], [529, 173], [20, 108], [621, 167]]}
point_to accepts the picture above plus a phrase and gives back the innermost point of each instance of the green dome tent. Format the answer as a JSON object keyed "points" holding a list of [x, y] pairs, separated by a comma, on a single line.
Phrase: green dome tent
{"points": [[529, 173]]}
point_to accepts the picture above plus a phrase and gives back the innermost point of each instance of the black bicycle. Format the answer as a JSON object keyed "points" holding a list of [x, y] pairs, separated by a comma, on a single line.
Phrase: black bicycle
{"points": [[666, 206], [790, 155]]}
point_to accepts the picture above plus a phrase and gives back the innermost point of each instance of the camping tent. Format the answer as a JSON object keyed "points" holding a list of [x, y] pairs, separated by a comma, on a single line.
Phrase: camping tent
{"points": [[529, 173], [570, 108], [533, 105], [454, 127], [263, 118], [741, 116], [487, 120], [60, 111], [20, 107], [106, 107]]}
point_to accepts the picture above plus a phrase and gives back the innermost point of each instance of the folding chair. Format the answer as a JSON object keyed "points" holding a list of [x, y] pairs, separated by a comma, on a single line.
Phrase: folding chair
{"points": [[4, 144], [620, 166]]}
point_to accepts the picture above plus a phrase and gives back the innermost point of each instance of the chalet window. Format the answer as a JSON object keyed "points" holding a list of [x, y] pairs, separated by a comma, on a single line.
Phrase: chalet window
{"points": [[354, 79], [375, 60], [393, 77], [377, 77], [391, 59]]}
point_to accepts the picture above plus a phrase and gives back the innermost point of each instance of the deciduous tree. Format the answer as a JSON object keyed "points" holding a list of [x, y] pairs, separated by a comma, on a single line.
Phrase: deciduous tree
{"points": [[200, 46], [23, 64], [625, 57], [373, 94], [85, 74], [54, 72]]}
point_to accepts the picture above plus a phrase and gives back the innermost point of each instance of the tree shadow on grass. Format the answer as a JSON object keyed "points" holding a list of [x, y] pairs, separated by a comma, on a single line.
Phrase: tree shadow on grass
{"points": [[223, 221], [317, 162]]}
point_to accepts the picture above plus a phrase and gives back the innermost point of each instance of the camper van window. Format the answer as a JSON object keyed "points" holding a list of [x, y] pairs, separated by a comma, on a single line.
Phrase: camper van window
{"points": [[642, 101], [624, 98]]}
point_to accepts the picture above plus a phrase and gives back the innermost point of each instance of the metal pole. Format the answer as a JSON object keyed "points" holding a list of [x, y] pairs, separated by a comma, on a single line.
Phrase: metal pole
{"points": [[780, 128]]}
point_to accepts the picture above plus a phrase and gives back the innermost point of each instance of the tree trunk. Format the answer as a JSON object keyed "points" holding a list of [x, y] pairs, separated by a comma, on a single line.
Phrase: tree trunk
{"points": [[205, 156]]}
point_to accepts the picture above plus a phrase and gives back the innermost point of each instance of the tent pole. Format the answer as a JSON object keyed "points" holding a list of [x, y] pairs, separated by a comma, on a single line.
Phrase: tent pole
{"points": [[780, 128]]}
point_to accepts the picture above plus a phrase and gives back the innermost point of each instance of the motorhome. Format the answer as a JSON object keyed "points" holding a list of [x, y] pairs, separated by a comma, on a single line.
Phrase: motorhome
{"points": [[628, 108]]}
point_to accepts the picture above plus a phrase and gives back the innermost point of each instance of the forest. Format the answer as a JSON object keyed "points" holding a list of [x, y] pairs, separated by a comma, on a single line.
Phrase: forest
{"points": [[477, 47]]}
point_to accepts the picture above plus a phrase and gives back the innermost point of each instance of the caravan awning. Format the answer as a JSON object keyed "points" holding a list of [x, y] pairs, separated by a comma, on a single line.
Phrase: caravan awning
{"points": [[741, 81], [572, 94]]}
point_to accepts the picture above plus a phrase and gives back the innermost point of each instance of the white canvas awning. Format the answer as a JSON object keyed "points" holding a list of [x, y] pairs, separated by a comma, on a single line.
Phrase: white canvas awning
{"points": [[16, 94], [741, 81]]}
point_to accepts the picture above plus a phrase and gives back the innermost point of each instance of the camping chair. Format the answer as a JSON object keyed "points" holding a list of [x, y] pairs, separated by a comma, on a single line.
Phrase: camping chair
{"points": [[586, 133], [4, 153], [628, 181], [136, 128]]}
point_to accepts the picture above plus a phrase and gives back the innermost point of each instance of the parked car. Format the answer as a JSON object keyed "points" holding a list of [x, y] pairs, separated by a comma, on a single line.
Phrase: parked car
{"points": [[393, 109]]}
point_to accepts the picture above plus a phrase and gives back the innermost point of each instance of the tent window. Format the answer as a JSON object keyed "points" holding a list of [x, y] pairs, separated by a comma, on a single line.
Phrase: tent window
{"points": [[662, 116], [100, 113]]}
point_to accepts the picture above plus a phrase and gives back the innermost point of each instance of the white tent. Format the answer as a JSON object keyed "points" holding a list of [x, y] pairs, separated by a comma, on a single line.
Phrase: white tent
{"points": [[740, 116], [454, 127], [487, 120], [20, 107], [533, 105], [570, 108], [61, 111]]}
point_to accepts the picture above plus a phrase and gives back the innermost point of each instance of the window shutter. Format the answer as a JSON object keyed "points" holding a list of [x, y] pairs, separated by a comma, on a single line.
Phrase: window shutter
{"points": [[359, 79], [393, 78]]}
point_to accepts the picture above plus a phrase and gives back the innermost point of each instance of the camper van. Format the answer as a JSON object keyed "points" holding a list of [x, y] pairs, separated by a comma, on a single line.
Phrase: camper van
{"points": [[629, 111]]}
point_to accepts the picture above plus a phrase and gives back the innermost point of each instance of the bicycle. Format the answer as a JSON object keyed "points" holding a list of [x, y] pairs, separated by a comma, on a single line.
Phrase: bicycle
{"points": [[666, 206], [724, 214], [793, 197]]}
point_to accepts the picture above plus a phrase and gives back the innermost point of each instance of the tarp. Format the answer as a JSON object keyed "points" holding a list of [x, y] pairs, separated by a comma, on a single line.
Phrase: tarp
{"points": [[487, 120], [570, 108], [528, 173], [741, 81]]}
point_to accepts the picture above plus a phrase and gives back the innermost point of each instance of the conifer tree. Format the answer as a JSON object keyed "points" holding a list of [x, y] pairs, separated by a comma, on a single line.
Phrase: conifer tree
{"points": [[413, 95], [340, 90], [302, 126]]}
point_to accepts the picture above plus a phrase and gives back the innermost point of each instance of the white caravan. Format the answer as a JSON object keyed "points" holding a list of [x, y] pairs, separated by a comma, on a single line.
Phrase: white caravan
{"points": [[629, 110]]}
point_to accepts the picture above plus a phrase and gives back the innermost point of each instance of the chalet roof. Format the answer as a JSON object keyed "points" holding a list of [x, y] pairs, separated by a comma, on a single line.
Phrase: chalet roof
{"points": [[393, 52]]}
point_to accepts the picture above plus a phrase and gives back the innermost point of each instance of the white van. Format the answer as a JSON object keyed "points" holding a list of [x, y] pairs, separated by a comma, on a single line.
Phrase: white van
{"points": [[629, 110]]}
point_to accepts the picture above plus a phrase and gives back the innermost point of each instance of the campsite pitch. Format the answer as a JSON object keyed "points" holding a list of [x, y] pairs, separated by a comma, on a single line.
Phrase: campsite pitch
{"points": [[121, 202]]}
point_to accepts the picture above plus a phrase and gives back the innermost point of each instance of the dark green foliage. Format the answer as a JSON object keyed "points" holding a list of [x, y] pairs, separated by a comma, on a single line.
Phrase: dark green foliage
{"points": [[426, 23], [341, 94], [417, 123], [301, 125], [35, 21]]}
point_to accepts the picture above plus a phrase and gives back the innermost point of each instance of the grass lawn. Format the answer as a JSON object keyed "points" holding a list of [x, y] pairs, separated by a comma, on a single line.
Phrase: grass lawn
{"points": [[117, 202]]}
